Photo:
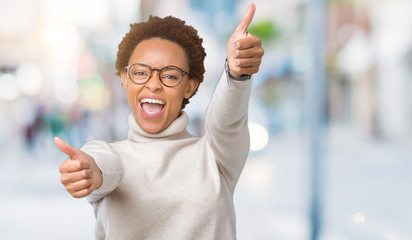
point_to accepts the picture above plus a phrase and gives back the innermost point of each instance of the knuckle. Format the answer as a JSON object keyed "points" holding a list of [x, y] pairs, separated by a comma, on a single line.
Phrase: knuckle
{"points": [[82, 183], [238, 69], [84, 163], [238, 43], [79, 165], [69, 188], [62, 167], [63, 179], [84, 173], [77, 195], [91, 184], [237, 53], [86, 183]]}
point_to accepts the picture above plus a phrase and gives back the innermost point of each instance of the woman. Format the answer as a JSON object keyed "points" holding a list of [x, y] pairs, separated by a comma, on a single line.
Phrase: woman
{"points": [[161, 182]]}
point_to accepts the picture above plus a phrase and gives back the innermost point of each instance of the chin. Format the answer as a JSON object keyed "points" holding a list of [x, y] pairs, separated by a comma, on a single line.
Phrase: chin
{"points": [[151, 128], [152, 125]]}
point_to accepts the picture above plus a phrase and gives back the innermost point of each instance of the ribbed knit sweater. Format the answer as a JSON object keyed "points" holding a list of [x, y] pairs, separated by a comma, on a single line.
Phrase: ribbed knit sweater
{"points": [[172, 185]]}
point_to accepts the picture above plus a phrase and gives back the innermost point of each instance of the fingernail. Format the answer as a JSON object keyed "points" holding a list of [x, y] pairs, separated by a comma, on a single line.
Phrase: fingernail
{"points": [[236, 45]]}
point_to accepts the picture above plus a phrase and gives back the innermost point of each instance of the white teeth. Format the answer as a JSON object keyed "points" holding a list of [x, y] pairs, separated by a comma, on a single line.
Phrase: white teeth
{"points": [[149, 100]]}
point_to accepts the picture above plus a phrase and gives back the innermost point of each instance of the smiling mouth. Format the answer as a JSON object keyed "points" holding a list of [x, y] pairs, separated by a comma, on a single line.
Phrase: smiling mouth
{"points": [[152, 106]]}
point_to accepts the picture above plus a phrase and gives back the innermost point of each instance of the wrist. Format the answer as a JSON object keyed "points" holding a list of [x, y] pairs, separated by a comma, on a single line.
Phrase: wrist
{"points": [[242, 77]]}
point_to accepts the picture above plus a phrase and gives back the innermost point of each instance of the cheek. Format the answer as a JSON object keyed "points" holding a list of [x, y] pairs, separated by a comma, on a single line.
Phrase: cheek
{"points": [[177, 99], [132, 93]]}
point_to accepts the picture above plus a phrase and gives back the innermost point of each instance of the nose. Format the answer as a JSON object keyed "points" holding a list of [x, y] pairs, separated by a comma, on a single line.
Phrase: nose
{"points": [[154, 84]]}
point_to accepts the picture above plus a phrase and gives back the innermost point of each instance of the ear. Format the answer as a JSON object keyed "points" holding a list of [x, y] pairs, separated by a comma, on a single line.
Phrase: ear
{"points": [[123, 76], [191, 87]]}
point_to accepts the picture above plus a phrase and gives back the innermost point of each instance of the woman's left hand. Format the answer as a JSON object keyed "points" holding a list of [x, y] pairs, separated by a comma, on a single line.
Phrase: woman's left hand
{"points": [[244, 50]]}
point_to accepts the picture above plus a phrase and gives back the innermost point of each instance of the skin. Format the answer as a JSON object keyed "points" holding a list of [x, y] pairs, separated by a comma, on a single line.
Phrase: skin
{"points": [[244, 50], [158, 53], [80, 173]]}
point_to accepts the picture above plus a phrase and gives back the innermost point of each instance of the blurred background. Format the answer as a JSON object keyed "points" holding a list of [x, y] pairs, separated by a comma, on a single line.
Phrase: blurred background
{"points": [[330, 112]]}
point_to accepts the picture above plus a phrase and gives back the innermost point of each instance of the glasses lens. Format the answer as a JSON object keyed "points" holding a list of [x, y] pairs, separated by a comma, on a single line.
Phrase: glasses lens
{"points": [[139, 73], [170, 76]]}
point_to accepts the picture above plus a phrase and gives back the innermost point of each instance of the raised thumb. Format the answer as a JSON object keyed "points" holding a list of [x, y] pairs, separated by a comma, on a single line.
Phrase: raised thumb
{"points": [[65, 147], [247, 19]]}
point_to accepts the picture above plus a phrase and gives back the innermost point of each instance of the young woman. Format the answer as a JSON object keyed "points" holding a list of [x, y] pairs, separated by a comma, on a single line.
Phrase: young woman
{"points": [[161, 182]]}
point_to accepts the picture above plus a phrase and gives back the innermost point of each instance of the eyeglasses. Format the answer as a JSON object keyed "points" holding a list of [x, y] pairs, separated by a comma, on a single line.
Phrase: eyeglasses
{"points": [[170, 76]]}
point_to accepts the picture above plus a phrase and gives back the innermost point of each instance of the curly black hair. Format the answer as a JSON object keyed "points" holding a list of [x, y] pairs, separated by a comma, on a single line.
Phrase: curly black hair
{"points": [[168, 28]]}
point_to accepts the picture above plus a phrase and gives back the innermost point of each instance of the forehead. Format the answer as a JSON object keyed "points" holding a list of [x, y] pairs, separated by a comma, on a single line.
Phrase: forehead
{"points": [[158, 52]]}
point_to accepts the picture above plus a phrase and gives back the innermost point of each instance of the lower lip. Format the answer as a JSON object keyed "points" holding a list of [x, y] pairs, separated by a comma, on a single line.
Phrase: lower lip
{"points": [[151, 116]]}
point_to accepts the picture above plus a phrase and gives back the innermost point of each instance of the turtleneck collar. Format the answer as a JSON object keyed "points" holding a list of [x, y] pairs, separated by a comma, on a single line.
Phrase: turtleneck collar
{"points": [[176, 130]]}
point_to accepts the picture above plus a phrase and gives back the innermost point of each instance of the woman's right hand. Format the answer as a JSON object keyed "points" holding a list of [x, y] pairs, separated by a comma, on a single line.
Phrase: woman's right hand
{"points": [[79, 173], [244, 51]]}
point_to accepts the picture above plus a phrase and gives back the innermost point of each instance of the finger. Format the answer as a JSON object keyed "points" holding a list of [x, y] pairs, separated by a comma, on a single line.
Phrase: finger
{"points": [[72, 177], [245, 70], [247, 19], [247, 62], [248, 42], [79, 185], [250, 70], [69, 166], [248, 53], [84, 192], [65, 147]]}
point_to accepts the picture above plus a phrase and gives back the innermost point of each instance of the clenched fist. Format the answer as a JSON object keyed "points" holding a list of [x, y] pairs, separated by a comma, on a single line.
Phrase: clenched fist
{"points": [[79, 173], [244, 50]]}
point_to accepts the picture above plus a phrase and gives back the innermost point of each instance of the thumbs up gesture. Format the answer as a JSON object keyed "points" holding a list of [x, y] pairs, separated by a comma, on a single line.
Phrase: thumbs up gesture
{"points": [[79, 173], [244, 50]]}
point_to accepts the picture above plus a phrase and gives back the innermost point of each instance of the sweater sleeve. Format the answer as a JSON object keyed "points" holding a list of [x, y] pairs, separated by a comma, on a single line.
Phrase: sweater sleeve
{"points": [[226, 128], [110, 165]]}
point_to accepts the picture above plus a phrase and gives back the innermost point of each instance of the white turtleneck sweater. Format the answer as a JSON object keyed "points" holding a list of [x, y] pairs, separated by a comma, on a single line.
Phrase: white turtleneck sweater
{"points": [[171, 185]]}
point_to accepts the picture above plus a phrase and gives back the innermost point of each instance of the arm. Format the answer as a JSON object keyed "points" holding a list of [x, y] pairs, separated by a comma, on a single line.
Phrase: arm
{"points": [[110, 166], [79, 173], [226, 127], [92, 171]]}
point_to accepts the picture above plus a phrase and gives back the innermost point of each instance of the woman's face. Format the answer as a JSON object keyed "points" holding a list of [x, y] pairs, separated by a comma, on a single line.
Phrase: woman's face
{"points": [[155, 106]]}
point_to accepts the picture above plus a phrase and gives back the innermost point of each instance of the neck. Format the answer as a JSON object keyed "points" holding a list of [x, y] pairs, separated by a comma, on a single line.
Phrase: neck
{"points": [[176, 130]]}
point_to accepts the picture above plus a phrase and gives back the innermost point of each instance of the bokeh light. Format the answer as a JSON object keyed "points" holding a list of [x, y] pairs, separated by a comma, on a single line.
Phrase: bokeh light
{"points": [[64, 77], [259, 136], [29, 79], [92, 91], [9, 89], [258, 175], [67, 96], [358, 217]]}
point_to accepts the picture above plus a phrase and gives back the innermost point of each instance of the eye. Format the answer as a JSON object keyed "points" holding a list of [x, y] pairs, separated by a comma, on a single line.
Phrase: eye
{"points": [[137, 73], [170, 77], [170, 74]]}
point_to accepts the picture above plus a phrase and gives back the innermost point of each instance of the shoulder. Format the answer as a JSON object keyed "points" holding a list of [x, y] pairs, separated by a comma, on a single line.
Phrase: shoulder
{"points": [[96, 144], [100, 146]]}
